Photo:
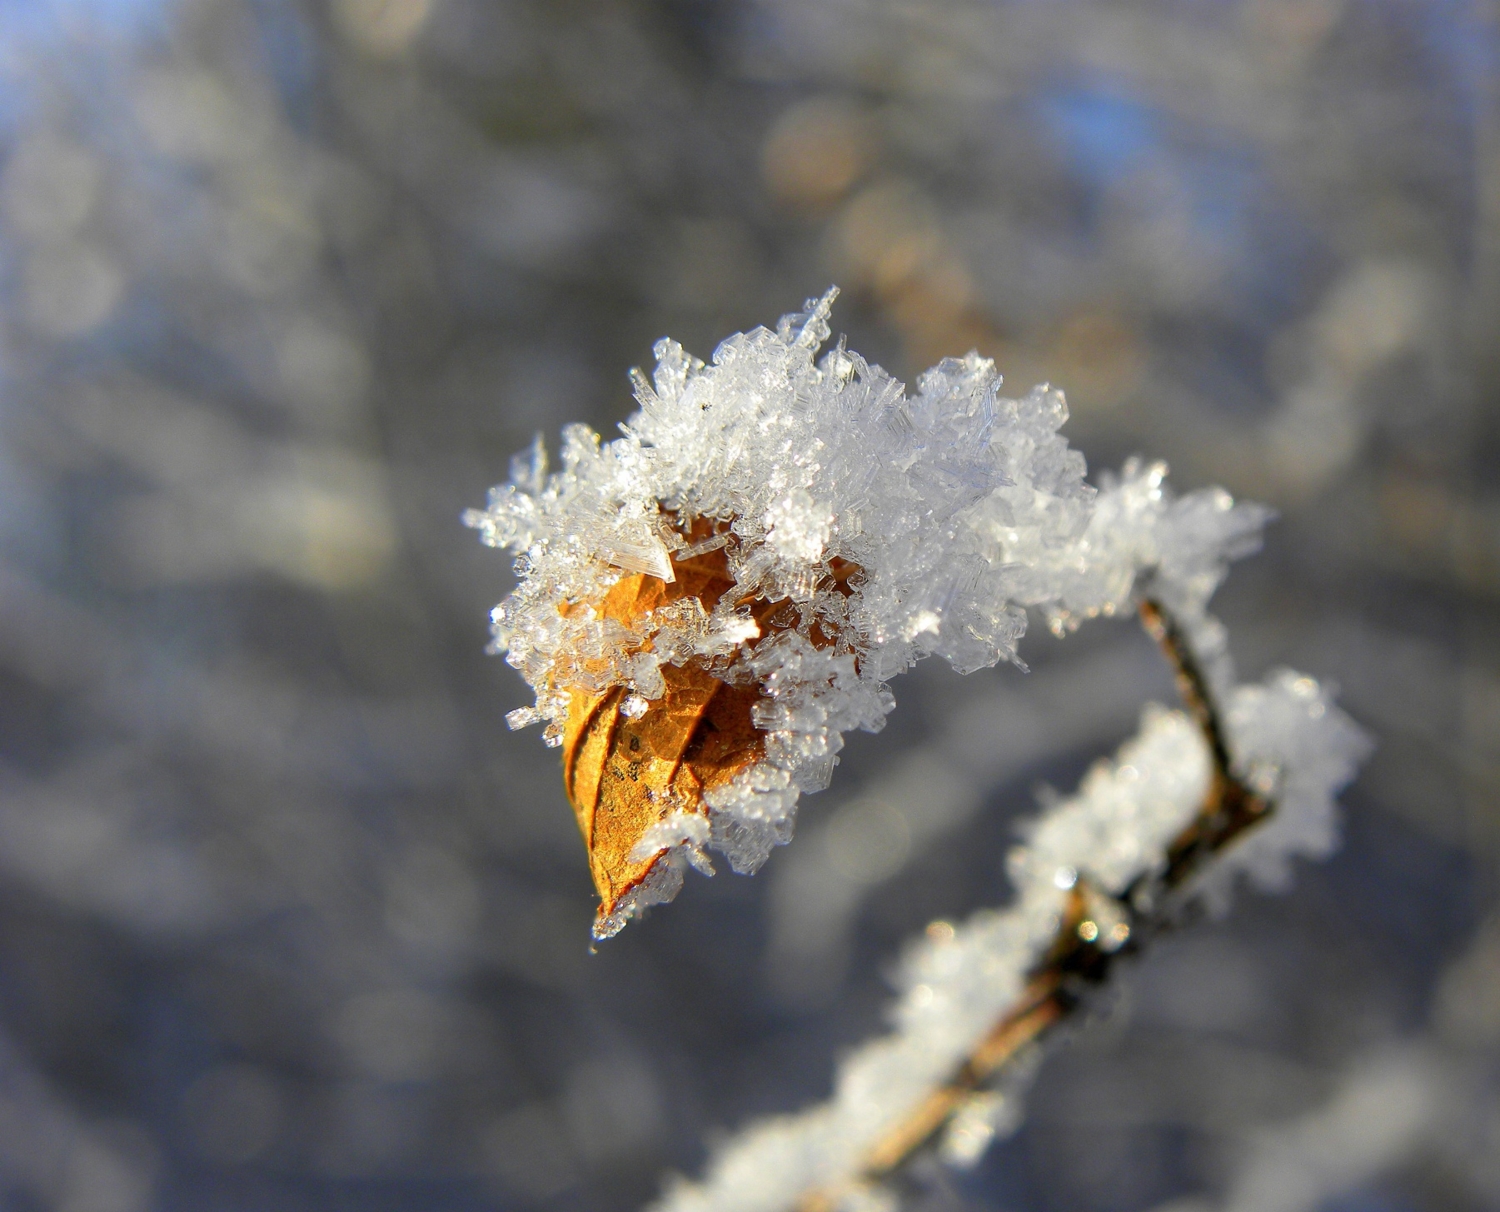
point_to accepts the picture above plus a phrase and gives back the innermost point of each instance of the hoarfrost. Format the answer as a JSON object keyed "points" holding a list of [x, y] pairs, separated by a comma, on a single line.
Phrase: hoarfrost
{"points": [[875, 527], [958, 508], [957, 982]]}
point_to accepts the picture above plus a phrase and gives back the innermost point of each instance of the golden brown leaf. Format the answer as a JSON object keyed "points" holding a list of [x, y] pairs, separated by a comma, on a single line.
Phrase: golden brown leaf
{"points": [[625, 775]]}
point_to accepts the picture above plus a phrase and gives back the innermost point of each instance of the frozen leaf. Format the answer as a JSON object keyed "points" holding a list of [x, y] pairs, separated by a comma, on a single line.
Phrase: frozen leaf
{"points": [[636, 769], [730, 584]]}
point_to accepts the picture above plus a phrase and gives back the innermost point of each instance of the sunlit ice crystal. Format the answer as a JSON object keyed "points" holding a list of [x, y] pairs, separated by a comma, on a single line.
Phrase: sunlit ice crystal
{"points": [[729, 585]]}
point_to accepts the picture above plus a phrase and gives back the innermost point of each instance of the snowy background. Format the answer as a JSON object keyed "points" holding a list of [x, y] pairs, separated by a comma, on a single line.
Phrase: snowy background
{"points": [[288, 920]]}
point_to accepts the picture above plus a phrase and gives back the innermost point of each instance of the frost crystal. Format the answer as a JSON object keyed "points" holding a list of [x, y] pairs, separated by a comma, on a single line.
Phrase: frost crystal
{"points": [[881, 526]]}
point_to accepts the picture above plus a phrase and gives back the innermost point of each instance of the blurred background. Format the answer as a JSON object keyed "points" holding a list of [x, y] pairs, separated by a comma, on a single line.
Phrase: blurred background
{"points": [[288, 920]]}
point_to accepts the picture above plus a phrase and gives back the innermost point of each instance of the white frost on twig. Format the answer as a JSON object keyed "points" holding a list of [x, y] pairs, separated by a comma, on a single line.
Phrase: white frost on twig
{"points": [[957, 982]]}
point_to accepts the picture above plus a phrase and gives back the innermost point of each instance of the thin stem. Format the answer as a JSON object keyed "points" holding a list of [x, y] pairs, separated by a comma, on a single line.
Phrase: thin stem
{"points": [[1078, 958], [1230, 807], [1192, 683]]}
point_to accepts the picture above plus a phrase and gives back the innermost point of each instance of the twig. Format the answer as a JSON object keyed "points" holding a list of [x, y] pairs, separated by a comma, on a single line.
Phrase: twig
{"points": [[1230, 807], [1082, 954]]}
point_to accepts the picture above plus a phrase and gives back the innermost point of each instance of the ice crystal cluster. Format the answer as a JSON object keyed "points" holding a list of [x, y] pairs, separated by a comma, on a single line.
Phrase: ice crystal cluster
{"points": [[957, 507], [959, 980]]}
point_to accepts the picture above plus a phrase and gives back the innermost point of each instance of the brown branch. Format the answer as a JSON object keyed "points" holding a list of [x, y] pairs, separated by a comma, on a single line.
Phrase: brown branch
{"points": [[1080, 956], [1230, 807]]}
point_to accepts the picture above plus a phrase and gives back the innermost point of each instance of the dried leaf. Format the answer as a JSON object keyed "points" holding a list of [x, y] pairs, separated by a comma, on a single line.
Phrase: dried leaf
{"points": [[623, 775]]}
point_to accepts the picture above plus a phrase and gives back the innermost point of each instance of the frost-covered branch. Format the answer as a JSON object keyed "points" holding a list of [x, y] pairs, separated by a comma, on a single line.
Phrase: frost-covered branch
{"points": [[1194, 798], [709, 602], [1093, 929]]}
